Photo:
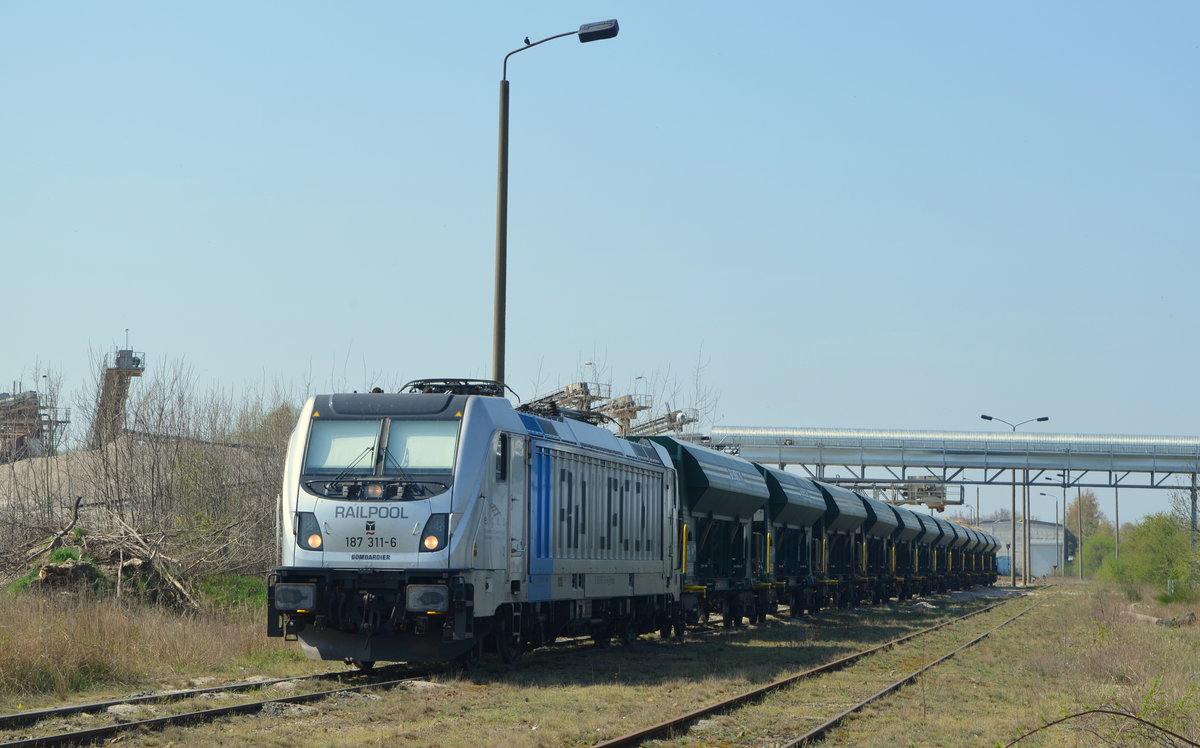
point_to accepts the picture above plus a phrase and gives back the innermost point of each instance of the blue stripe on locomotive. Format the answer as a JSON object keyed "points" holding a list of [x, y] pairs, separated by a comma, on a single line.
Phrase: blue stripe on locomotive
{"points": [[541, 564]]}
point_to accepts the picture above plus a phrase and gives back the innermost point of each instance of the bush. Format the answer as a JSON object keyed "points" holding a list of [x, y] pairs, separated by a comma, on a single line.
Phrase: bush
{"points": [[1182, 593]]}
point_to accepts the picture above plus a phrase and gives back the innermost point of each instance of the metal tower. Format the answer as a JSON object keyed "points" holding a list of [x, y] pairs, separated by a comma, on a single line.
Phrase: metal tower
{"points": [[114, 389]]}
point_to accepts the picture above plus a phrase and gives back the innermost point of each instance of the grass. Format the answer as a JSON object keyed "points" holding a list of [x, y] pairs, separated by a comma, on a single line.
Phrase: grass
{"points": [[235, 591], [1080, 650], [55, 645]]}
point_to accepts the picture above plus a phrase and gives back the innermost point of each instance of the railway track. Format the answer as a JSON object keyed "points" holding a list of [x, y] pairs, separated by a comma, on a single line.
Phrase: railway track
{"points": [[384, 677], [868, 684], [80, 724]]}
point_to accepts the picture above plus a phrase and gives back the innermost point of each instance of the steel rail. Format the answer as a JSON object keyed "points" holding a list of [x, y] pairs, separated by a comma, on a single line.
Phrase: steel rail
{"points": [[822, 729], [669, 726], [204, 715], [19, 719]]}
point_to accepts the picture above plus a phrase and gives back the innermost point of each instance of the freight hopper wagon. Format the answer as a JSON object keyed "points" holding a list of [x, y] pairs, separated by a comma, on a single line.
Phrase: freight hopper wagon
{"points": [[794, 515], [723, 558]]}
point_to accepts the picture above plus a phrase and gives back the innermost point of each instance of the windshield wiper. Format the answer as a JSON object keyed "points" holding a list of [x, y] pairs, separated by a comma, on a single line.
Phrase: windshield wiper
{"points": [[337, 482], [417, 485], [404, 475]]}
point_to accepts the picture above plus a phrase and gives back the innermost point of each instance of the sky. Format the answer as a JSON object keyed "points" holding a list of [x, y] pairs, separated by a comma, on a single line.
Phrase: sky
{"points": [[877, 215]]}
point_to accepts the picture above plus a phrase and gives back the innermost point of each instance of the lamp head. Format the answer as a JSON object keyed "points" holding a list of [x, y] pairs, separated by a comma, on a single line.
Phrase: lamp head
{"points": [[591, 32]]}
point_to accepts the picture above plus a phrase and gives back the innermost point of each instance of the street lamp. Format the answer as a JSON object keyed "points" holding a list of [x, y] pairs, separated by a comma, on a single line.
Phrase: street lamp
{"points": [[588, 32], [1012, 566], [1078, 557], [1058, 567]]}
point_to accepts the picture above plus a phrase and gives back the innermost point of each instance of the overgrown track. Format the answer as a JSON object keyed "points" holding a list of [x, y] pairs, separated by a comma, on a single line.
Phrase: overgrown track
{"points": [[380, 678], [679, 725]]}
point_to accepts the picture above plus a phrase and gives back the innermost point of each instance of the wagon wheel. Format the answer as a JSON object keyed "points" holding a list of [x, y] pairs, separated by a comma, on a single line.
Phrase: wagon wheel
{"points": [[628, 634], [602, 635]]}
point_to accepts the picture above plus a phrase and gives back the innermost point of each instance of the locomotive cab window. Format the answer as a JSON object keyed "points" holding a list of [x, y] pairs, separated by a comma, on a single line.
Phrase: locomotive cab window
{"points": [[380, 459], [420, 446], [502, 458], [341, 446]]}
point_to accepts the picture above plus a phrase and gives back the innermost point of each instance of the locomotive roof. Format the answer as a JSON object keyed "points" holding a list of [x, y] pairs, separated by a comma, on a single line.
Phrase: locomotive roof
{"points": [[380, 404]]}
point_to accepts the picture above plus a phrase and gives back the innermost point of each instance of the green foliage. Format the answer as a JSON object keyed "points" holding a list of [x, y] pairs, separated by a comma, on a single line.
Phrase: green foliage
{"points": [[228, 591], [1093, 520], [59, 555], [1155, 550], [64, 553], [1098, 549], [1182, 593], [23, 583]]}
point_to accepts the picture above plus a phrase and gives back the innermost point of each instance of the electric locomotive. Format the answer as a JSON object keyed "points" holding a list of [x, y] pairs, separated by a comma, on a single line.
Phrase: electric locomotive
{"points": [[420, 526]]}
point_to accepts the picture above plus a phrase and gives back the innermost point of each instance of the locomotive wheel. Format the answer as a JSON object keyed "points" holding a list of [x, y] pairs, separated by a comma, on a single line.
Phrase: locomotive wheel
{"points": [[364, 666], [469, 660], [508, 649]]}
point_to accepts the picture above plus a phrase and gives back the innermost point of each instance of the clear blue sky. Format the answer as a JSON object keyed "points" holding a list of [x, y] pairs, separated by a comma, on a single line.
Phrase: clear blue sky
{"points": [[893, 215]]}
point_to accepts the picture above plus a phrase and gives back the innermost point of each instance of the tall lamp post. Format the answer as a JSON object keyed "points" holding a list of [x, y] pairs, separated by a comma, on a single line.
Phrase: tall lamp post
{"points": [[1065, 479], [1012, 562], [588, 32], [1057, 563]]}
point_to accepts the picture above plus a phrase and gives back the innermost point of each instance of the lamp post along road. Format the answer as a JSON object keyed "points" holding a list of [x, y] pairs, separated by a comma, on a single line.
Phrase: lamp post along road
{"points": [[588, 32], [1012, 559]]}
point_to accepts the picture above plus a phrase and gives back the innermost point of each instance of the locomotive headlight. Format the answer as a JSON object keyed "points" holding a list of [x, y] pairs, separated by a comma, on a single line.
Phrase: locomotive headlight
{"points": [[375, 491], [295, 596], [433, 537], [308, 531], [427, 598]]}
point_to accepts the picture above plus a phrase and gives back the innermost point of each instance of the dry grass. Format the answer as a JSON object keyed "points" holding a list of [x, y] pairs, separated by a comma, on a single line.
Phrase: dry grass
{"points": [[1080, 650], [54, 645]]}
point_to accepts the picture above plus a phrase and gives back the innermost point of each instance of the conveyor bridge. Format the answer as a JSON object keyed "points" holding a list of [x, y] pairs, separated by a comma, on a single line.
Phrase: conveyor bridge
{"points": [[884, 458]]}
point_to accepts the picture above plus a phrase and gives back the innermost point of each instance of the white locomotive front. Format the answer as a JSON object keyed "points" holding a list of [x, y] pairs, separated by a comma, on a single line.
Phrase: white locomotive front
{"points": [[415, 526]]}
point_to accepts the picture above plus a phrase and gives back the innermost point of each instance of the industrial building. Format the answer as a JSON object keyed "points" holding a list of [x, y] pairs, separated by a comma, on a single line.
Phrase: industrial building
{"points": [[1047, 544]]}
